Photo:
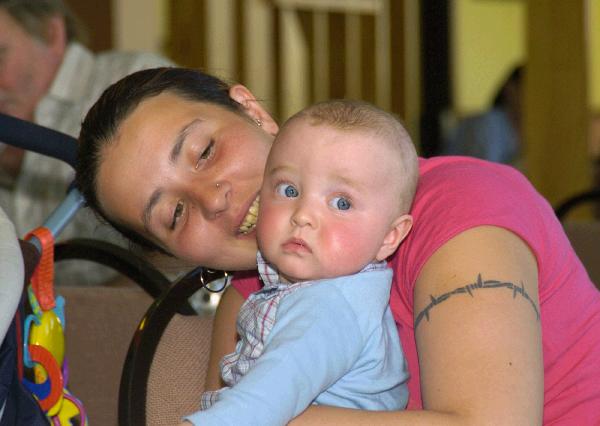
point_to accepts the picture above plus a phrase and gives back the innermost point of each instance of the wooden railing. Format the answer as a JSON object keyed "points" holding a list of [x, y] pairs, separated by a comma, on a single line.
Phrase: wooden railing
{"points": [[291, 53]]}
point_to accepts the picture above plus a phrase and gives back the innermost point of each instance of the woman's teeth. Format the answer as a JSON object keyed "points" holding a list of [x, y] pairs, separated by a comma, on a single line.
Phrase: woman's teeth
{"points": [[250, 220]]}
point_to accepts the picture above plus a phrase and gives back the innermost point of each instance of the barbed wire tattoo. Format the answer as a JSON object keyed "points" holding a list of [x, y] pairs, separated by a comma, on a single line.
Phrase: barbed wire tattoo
{"points": [[470, 288]]}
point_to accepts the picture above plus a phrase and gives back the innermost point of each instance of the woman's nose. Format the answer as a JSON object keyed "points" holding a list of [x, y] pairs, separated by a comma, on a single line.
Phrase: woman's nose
{"points": [[212, 198]]}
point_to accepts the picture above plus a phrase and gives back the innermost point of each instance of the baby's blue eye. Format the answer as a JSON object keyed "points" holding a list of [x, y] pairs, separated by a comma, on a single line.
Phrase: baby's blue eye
{"points": [[287, 190], [341, 203]]}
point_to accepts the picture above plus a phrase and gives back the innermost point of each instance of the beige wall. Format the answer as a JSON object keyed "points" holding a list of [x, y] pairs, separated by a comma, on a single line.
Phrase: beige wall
{"points": [[594, 52], [488, 39], [139, 24], [556, 101]]}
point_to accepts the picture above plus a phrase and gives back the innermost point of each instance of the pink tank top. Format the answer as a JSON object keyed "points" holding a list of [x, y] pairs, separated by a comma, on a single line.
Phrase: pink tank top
{"points": [[458, 193]]}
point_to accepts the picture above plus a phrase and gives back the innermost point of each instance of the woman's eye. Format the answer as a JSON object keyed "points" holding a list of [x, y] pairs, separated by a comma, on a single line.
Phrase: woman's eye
{"points": [[287, 190], [176, 214], [341, 203], [206, 154]]}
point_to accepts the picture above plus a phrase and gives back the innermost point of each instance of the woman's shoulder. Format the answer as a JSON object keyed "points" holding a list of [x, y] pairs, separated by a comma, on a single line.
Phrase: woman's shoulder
{"points": [[468, 187], [456, 194], [448, 170]]}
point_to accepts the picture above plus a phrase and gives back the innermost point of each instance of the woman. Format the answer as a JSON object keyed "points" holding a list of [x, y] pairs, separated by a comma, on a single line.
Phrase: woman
{"points": [[173, 158]]}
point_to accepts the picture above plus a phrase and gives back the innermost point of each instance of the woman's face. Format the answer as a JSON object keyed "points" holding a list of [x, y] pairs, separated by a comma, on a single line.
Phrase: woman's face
{"points": [[185, 175]]}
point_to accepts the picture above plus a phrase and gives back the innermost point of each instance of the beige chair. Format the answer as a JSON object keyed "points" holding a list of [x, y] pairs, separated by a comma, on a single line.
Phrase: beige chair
{"points": [[100, 323], [165, 369], [178, 371]]}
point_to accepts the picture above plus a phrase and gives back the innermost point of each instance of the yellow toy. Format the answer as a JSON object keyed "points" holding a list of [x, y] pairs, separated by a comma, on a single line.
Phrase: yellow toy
{"points": [[44, 343]]}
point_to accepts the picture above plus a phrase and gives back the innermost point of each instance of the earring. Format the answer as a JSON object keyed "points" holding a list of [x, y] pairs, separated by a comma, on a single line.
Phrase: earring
{"points": [[218, 185], [258, 122]]}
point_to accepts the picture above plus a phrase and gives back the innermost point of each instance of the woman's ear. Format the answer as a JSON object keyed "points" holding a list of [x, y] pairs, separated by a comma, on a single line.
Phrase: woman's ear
{"points": [[399, 230], [253, 108]]}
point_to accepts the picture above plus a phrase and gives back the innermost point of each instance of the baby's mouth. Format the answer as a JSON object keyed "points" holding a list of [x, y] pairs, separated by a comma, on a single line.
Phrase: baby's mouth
{"points": [[249, 222]]}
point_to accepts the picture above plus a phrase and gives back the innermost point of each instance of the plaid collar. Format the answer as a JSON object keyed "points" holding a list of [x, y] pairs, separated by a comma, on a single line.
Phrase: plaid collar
{"points": [[270, 276]]}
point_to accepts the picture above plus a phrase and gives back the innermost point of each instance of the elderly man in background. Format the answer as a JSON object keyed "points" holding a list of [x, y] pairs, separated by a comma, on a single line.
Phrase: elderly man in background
{"points": [[48, 77]]}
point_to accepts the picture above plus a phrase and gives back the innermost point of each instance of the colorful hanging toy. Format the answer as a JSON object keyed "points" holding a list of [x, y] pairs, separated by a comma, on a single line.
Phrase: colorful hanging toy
{"points": [[44, 343]]}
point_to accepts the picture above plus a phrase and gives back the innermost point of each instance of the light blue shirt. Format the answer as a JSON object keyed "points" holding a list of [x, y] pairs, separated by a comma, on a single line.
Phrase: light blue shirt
{"points": [[333, 343]]}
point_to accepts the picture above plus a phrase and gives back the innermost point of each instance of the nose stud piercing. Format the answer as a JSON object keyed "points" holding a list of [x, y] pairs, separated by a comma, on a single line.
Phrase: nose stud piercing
{"points": [[218, 185]]}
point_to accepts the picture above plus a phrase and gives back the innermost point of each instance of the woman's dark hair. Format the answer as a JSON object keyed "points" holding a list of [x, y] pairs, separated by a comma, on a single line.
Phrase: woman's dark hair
{"points": [[514, 78], [118, 101]]}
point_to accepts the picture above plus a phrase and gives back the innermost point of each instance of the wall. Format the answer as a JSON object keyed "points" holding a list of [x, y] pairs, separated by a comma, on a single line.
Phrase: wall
{"points": [[488, 39], [139, 24], [556, 99], [594, 52]]}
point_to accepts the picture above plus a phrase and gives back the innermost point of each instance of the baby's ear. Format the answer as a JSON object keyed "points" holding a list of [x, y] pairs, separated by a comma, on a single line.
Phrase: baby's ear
{"points": [[399, 230]]}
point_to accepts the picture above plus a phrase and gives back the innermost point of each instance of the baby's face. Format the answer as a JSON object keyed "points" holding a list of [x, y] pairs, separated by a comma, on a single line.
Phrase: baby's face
{"points": [[326, 202]]}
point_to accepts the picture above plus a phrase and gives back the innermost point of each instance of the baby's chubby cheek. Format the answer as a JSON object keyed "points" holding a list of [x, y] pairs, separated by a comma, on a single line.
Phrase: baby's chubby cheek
{"points": [[343, 250], [266, 229]]}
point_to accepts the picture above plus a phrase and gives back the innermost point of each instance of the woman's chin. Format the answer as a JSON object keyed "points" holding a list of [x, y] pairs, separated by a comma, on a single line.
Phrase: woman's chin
{"points": [[241, 261]]}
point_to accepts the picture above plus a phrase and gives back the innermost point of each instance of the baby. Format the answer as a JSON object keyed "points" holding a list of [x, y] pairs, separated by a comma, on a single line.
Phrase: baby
{"points": [[337, 189]]}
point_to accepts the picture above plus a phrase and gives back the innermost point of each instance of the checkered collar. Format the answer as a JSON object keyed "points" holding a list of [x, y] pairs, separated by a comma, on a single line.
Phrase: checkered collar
{"points": [[270, 276]]}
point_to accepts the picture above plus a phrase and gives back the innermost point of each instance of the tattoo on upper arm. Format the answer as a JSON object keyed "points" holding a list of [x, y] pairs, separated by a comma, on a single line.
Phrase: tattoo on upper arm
{"points": [[469, 288]]}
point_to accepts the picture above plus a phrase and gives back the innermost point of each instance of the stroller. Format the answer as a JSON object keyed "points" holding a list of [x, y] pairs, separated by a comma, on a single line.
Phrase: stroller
{"points": [[34, 373]]}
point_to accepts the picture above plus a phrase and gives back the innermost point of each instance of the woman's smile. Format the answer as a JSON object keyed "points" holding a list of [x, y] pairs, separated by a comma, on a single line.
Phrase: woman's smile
{"points": [[249, 222]]}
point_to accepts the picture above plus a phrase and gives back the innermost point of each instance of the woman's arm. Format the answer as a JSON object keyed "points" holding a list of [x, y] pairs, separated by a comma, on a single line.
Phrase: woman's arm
{"points": [[224, 335], [479, 341]]}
